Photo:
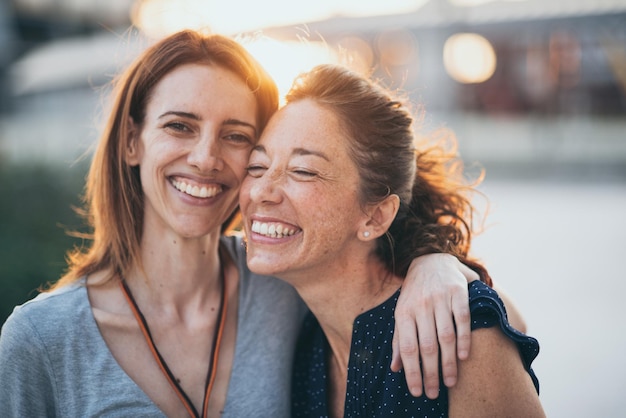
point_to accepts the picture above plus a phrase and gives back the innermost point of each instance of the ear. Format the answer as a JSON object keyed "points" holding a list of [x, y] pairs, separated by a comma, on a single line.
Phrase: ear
{"points": [[132, 156], [380, 217]]}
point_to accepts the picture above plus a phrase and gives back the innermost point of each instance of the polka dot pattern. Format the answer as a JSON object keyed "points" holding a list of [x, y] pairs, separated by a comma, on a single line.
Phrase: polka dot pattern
{"points": [[372, 389]]}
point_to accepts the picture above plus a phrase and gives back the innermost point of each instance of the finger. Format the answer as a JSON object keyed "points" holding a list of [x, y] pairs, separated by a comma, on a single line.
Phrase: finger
{"points": [[429, 352], [396, 359], [447, 343], [462, 318], [408, 350]]}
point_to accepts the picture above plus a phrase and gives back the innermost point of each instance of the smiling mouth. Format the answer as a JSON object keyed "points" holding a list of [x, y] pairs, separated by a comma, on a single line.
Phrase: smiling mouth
{"points": [[195, 190], [272, 229]]}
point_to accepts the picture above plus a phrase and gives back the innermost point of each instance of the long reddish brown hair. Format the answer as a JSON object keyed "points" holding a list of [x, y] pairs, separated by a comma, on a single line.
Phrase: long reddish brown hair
{"points": [[113, 199]]}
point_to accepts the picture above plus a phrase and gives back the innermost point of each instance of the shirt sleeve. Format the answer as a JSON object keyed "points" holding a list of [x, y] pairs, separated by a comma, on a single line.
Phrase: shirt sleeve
{"points": [[488, 310], [27, 388]]}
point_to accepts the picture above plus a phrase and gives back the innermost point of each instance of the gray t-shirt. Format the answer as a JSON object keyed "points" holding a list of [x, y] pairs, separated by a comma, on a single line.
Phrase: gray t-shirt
{"points": [[55, 363]]}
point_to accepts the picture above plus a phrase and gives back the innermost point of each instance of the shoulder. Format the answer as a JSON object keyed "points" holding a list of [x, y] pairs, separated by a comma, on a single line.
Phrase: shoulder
{"points": [[33, 333], [46, 321], [493, 381], [489, 313], [487, 307], [48, 308]]}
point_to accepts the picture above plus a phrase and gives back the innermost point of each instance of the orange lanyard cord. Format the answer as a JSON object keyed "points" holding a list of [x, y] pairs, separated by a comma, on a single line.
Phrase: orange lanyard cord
{"points": [[212, 372]]}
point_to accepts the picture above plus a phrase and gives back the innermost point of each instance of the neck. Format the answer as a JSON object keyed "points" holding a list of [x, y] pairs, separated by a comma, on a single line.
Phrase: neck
{"points": [[337, 299], [179, 278]]}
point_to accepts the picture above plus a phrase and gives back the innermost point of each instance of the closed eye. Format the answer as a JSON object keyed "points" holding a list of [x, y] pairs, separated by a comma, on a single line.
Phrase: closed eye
{"points": [[304, 173], [255, 170]]}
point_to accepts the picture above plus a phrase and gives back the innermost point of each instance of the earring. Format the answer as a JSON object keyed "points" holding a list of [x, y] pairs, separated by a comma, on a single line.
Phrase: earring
{"points": [[366, 234]]}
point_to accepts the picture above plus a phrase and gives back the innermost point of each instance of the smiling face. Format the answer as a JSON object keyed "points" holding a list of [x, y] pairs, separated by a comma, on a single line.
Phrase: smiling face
{"points": [[192, 149], [299, 200]]}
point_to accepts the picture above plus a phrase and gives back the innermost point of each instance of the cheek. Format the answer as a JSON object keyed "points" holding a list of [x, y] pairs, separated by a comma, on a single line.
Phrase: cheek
{"points": [[339, 213], [244, 193], [333, 212], [238, 162]]}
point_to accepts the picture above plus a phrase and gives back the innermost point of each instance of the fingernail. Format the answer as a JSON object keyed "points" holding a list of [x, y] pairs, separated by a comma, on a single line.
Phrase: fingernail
{"points": [[432, 393]]}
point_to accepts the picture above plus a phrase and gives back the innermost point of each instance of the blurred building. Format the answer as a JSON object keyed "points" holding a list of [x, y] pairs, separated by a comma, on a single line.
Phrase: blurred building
{"points": [[534, 83], [530, 87], [552, 57]]}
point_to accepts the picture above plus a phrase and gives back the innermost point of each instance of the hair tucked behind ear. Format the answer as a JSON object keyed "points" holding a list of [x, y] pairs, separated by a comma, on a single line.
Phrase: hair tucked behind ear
{"points": [[435, 213]]}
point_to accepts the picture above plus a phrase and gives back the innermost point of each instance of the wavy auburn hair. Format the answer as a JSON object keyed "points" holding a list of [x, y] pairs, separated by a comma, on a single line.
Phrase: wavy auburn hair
{"points": [[436, 213]]}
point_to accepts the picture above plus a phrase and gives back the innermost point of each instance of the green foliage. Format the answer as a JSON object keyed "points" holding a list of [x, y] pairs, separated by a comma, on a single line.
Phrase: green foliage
{"points": [[36, 212]]}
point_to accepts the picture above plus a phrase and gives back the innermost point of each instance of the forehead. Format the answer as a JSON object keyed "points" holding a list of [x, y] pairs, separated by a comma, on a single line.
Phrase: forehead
{"points": [[205, 88], [306, 124]]}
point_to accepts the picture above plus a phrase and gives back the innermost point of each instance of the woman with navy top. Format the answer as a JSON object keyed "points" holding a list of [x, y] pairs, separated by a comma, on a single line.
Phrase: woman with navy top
{"points": [[338, 200]]}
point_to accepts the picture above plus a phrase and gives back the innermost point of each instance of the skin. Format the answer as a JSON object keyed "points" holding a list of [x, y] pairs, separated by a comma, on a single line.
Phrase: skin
{"points": [[493, 382], [302, 180], [437, 337], [190, 137], [187, 136], [309, 188]]}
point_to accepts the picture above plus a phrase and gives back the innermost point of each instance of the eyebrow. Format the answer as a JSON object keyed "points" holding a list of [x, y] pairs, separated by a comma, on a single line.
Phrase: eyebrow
{"points": [[296, 151], [237, 122], [233, 122]]}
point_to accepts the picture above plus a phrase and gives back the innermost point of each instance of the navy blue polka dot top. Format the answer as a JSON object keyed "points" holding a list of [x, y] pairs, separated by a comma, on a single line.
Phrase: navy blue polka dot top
{"points": [[373, 390]]}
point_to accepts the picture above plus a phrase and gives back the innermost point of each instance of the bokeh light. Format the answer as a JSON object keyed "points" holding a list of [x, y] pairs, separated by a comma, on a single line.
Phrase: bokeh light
{"points": [[469, 58], [356, 53], [161, 17], [285, 60], [157, 18]]}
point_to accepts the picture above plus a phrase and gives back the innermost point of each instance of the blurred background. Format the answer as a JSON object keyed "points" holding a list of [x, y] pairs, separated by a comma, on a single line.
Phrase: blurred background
{"points": [[534, 90]]}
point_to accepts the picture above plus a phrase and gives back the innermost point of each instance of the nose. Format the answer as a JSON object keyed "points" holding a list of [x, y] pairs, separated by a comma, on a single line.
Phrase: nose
{"points": [[206, 154], [266, 188]]}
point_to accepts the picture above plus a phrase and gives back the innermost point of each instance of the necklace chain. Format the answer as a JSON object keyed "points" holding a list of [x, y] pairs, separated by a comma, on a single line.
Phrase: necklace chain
{"points": [[212, 372]]}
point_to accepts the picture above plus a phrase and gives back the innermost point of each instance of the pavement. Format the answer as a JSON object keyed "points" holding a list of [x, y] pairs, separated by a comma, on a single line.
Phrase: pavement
{"points": [[557, 248]]}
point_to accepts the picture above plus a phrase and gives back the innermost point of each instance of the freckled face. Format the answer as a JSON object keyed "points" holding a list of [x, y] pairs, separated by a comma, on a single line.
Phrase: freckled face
{"points": [[192, 149], [299, 199]]}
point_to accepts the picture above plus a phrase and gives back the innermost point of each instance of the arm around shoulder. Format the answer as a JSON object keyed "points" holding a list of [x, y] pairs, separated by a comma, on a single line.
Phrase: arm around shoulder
{"points": [[492, 381]]}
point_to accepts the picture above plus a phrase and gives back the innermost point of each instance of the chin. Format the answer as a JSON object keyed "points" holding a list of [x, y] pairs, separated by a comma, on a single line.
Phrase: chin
{"points": [[262, 265]]}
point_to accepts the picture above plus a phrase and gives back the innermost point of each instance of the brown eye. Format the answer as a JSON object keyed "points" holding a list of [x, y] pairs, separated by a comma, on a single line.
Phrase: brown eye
{"points": [[238, 138], [177, 126]]}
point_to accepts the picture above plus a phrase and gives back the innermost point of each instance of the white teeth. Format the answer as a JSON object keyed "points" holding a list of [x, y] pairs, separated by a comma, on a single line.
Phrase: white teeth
{"points": [[196, 191], [272, 229]]}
